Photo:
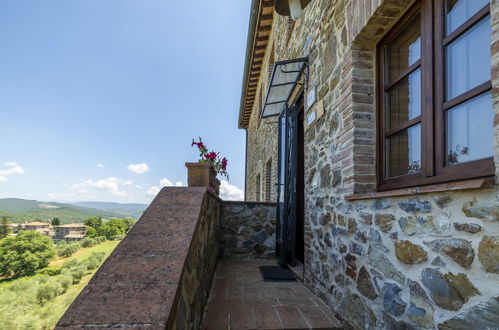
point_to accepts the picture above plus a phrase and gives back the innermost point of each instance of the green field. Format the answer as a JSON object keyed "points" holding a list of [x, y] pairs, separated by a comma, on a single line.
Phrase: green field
{"points": [[18, 306]]}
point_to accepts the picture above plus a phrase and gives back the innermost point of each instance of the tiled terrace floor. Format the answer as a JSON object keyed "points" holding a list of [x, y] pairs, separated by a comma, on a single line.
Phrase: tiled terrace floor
{"points": [[240, 299]]}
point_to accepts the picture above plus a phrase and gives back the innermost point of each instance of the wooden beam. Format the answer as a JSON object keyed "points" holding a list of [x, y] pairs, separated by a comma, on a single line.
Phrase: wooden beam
{"points": [[268, 3]]}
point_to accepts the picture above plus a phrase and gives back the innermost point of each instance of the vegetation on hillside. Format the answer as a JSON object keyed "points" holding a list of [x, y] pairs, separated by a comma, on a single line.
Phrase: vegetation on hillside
{"points": [[21, 210], [38, 302], [35, 289], [111, 229]]}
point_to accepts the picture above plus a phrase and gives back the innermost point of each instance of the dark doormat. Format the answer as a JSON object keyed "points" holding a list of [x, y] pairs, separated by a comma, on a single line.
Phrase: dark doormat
{"points": [[277, 274]]}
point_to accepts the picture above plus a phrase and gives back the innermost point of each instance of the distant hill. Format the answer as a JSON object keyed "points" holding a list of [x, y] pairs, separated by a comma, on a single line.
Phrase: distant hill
{"points": [[22, 210], [134, 210]]}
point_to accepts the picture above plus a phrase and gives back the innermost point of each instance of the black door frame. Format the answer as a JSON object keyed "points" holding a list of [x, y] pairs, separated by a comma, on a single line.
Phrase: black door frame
{"points": [[289, 229]]}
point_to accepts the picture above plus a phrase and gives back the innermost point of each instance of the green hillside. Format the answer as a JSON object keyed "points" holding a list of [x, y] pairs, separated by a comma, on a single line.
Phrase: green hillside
{"points": [[22, 210]]}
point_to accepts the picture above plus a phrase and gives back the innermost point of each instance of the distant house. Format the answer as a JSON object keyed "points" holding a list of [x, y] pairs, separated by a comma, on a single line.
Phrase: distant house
{"points": [[74, 237], [70, 233], [41, 227]]}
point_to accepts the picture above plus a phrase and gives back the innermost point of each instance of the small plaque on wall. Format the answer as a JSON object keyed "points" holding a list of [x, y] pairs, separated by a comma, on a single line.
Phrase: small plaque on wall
{"points": [[314, 114], [311, 97]]}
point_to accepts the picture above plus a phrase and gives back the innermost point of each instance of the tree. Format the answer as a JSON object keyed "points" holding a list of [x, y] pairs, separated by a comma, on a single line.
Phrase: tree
{"points": [[25, 253], [91, 232], [66, 250], [5, 230], [56, 222], [94, 222], [88, 242], [48, 291], [129, 222], [112, 230]]}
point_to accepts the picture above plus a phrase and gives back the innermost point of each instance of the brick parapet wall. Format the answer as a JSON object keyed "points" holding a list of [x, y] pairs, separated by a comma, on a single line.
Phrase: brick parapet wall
{"points": [[159, 276]]}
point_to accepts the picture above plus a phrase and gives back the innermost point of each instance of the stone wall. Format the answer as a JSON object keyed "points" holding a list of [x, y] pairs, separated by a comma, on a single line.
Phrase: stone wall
{"points": [[418, 257], [262, 139], [248, 230], [198, 269]]}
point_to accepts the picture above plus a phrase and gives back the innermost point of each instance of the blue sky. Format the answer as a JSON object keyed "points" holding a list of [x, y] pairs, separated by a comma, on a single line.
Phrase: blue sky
{"points": [[116, 83]]}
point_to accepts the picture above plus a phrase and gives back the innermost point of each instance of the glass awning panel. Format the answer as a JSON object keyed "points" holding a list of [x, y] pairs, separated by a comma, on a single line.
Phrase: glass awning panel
{"points": [[285, 76]]}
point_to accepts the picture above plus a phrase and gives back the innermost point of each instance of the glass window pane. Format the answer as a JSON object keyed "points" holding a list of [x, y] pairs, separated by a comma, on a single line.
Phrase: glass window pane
{"points": [[405, 49], [468, 60], [470, 131], [404, 152], [459, 11], [404, 100]]}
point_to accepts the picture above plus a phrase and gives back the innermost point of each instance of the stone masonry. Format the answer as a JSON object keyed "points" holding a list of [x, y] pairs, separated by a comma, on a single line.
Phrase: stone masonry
{"points": [[422, 257], [248, 230]]}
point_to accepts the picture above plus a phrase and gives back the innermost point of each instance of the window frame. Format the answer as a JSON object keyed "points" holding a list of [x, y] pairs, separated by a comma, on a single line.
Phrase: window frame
{"points": [[268, 180], [433, 104], [258, 188]]}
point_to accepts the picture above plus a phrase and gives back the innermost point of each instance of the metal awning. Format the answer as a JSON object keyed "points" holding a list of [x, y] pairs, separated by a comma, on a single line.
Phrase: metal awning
{"points": [[285, 76]]}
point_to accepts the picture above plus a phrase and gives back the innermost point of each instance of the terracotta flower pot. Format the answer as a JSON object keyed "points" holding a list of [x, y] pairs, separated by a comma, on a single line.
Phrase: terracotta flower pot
{"points": [[202, 175]]}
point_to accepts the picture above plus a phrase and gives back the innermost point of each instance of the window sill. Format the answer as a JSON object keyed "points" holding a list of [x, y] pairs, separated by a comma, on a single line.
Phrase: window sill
{"points": [[451, 186]]}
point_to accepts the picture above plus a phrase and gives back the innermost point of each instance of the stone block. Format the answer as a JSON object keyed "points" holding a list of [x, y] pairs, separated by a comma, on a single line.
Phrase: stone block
{"points": [[457, 249], [410, 253], [392, 302], [440, 291], [488, 253]]}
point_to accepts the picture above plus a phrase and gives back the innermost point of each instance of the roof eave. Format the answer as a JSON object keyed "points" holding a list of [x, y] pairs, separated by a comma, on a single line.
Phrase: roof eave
{"points": [[255, 6]]}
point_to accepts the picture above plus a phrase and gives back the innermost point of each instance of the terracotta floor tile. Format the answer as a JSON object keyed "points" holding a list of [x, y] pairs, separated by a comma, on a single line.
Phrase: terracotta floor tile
{"points": [[291, 317], [217, 319], [252, 303], [242, 318], [267, 318], [317, 319]]}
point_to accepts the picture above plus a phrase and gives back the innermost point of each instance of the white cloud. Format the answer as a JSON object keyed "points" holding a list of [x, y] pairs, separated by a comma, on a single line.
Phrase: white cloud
{"points": [[138, 168], [154, 190], [111, 185], [230, 192], [99, 165], [165, 183], [128, 182], [13, 169]]}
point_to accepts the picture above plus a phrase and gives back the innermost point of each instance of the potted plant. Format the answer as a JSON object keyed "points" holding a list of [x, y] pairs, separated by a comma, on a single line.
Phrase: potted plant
{"points": [[204, 172]]}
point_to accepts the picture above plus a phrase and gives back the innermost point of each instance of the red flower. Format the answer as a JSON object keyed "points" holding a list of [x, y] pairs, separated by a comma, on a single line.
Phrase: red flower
{"points": [[211, 155], [224, 163], [199, 144]]}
